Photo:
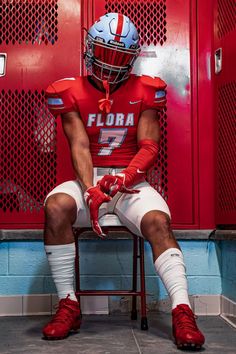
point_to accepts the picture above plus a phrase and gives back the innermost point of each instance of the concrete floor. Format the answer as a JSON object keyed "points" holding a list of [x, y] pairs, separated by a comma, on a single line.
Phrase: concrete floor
{"points": [[111, 334]]}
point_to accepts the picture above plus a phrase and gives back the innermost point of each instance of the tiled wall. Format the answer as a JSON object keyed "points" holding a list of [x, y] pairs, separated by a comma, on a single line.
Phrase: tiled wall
{"points": [[107, 265], [229, 269]]}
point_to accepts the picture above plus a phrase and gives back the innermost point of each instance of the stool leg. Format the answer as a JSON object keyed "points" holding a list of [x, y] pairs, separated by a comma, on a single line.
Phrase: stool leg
{"points": [[134, 297], [144, 323]]}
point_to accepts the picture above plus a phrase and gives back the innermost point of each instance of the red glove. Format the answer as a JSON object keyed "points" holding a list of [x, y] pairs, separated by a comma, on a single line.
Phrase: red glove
{"points": [[141, 162], [113, 184], [134, 173], [94, 198]]}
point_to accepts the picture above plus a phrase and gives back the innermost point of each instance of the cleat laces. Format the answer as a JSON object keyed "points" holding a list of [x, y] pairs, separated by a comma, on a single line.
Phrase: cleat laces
{"points": [[64, 311], [185, 319]]}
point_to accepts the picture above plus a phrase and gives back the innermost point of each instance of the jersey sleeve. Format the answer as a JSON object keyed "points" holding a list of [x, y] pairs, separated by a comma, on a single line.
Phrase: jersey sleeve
{"points": [[154, 93], [60, 98]]}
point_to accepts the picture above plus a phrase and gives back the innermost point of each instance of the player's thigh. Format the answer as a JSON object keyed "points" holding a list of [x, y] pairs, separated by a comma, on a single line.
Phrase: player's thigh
{"points": [[131, 208], [73, 189]]}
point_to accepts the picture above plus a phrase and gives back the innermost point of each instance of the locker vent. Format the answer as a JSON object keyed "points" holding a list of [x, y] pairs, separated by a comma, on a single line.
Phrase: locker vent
{"points": [[28, 21], [226, 17], [28, 150], [158, 175], [149, 16], [227, 147]]}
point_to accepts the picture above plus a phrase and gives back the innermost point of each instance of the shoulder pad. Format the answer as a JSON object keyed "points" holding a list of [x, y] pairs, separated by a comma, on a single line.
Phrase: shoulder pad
{"points": [[59, 96], [153, 82], [60, 86]]}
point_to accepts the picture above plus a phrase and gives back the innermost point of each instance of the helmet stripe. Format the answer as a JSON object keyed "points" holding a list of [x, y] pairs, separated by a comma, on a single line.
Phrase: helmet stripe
{"points": [[119, 27]]}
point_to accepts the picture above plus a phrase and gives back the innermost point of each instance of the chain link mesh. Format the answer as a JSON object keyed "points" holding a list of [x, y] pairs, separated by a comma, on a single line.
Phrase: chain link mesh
{"points": [[226, 17], [28, 150], [28, 21], [149, 17], [227, 147]]}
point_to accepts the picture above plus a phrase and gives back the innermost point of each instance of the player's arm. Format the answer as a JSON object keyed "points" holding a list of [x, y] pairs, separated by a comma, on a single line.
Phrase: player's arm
{"points": [[79, 147], [148, 136], [82, 162], [148, 126]]}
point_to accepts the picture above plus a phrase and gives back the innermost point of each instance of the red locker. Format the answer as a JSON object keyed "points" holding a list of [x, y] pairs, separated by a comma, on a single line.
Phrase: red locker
{"points": [[44, 43], [37, 36], [164, 27], [225, 110]]}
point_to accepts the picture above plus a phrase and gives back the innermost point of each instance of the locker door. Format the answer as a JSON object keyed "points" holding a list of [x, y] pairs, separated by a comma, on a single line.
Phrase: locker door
{"points": [[165, 29], [40, 42], [225, 98]]}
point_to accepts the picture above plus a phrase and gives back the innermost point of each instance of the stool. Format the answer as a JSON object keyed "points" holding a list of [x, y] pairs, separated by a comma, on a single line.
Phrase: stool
{"points": [[117, 230]]}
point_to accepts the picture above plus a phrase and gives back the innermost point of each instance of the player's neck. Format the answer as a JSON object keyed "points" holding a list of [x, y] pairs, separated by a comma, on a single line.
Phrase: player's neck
{"points": [[99, 85]]}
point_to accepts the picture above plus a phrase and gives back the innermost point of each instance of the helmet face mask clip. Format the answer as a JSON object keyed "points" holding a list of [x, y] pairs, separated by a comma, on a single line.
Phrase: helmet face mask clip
{"points": [[110, 56]]}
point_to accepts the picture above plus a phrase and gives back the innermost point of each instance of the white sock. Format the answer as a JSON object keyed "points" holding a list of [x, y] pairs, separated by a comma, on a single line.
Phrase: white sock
{"points": [[61, 259], [171, 269]]}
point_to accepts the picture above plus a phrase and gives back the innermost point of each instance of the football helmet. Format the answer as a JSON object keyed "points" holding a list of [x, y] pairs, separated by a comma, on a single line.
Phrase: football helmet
{"points": [[112, 46]]}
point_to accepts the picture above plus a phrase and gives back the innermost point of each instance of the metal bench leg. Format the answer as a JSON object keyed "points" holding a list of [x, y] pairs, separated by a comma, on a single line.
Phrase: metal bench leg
{"points": [[144, 323], [134, 285], [138, 252]]}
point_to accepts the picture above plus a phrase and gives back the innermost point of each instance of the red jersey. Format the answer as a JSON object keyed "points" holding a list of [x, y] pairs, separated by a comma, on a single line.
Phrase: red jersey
{"points": [[112, 136]]}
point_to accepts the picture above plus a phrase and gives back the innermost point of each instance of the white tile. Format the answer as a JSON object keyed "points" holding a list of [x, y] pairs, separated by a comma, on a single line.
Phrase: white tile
{"points": [[164, 305], [11, 305], [94, 305], [37, 304], [207, 305], [89, 304], [228, 311], [191, 300], [228, 307], [225, 305], [54, 303]]}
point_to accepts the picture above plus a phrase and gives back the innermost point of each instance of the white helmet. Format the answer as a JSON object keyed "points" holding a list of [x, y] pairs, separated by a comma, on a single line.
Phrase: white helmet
{"points": [[112, 45]]}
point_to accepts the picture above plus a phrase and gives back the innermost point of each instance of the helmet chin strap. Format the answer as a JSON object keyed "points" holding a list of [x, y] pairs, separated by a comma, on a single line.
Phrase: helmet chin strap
{"points": [[105, 103]]}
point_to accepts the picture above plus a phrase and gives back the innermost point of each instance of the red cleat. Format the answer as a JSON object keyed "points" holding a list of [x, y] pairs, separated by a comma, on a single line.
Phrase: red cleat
{"points": [[67, 318], [185, 330]]}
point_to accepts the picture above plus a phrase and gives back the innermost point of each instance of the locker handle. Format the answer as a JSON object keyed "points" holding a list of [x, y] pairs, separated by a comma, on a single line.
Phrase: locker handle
{"points": [[218, 60], [3, 63]]}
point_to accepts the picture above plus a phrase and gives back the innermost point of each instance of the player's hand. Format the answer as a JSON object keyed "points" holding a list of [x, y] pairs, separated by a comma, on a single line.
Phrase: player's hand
{"points": [[113, 184], [94, 198]]}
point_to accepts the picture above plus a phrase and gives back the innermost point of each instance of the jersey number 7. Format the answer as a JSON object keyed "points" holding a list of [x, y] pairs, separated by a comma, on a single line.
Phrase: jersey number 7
{"points": [[113, 137]]}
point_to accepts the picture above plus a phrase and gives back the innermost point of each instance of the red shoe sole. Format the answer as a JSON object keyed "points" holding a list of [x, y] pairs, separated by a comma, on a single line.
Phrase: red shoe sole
{"points": [[74, 330], [188, 346]]}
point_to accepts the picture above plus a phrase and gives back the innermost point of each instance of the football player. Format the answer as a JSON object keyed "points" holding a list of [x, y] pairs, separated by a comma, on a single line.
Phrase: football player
{"points": [[110, 119]]}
